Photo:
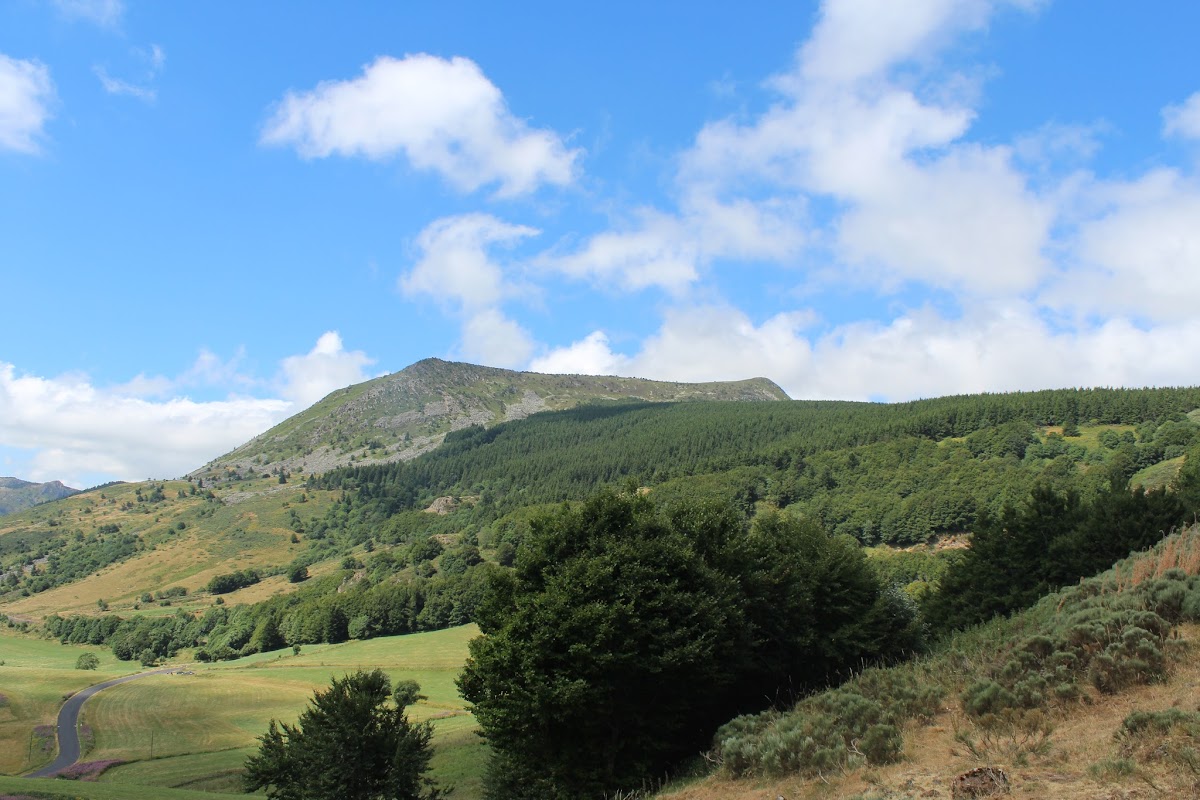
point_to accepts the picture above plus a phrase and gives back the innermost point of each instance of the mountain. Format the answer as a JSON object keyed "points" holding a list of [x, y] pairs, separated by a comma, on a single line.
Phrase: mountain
{"points": [[17, 495], [400, 416]]}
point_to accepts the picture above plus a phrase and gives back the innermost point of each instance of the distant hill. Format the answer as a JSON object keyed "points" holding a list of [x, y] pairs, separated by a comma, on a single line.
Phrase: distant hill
{"points": [[400, 416], [17, 495]]}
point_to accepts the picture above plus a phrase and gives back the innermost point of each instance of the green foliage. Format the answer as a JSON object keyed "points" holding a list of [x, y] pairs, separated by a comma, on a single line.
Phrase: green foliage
{"points": [[855, 725], [232, 581], [87, 661], [626, 634], [353, 742], [881, 473], [1054, 540]]}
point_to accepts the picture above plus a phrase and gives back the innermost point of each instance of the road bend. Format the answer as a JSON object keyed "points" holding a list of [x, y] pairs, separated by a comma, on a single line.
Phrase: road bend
{"points": [[68, 723]]}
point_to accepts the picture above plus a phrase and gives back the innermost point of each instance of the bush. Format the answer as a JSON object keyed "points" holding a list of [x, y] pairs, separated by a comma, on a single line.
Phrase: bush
{"points": [[855, 725], [87, 661]]}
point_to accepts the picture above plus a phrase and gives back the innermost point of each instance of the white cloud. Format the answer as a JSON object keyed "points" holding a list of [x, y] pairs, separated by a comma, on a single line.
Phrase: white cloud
{"points": [[457, 269], [105, 13], [1183, 120], [911, 199], [455, 263], [442, 115], [490, 337], [26, 94], [589, 356], [671, 251], [324, 369], [1140, 255], [82, 434], [963, 220], [914, 200], [78, 429], [859, 39], [1000, 347]]}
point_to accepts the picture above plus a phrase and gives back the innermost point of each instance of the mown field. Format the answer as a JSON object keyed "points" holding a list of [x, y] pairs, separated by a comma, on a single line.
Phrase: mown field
{"points": [[194, 731]]}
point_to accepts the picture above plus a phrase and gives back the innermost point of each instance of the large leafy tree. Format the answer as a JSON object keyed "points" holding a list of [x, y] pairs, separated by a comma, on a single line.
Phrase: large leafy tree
{"points": [[353, 742], [625, 635]]}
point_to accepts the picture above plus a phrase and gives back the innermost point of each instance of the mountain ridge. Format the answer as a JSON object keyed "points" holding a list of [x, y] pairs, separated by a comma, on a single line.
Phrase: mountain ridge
{"points": [[17, 494], [400, 416]]}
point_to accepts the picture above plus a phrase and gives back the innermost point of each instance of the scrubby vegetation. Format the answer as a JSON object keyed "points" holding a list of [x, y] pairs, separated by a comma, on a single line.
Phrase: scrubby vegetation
{"points": [[1010, 679]]}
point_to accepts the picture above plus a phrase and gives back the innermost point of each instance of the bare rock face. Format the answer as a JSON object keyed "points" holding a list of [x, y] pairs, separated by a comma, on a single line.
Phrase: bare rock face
{"points": [[979, 782]]}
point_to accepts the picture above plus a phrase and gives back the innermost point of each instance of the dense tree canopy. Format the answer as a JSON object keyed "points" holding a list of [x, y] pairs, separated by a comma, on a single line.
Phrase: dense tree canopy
{"points": [[625, 635], [353, 742]]}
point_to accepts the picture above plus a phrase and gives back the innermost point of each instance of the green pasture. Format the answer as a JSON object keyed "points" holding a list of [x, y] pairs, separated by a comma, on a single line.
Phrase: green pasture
{"points": [[195, 731], [36, 676], [1158, 476]]}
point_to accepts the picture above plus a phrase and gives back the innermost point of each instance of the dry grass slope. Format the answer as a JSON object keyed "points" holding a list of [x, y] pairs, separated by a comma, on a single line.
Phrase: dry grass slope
{"points": [[1073, 750]]}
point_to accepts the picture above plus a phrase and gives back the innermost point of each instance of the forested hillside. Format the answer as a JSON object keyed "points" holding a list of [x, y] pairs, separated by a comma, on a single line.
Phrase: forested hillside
{"points": [[881, 473]]}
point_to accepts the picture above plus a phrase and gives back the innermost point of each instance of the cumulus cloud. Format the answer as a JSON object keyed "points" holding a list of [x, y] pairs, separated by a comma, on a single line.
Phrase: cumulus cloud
{"points": [[670, 251], [591, 355], [999, 347], [456, 264], [324, 369], [442, 115], [78, 429], [490, 337], [1183, 120], [916, 201], [911, 199], [26, 94], [458, 269], [1140, 255]]}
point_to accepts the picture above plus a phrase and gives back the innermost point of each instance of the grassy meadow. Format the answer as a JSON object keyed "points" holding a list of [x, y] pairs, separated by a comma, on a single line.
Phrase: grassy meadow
{"points": [[195, 731], [189, 541], [35, 677]]}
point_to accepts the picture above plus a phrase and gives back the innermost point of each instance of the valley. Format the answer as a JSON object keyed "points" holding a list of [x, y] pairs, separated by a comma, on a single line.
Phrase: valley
{"points": [[374, 529]]}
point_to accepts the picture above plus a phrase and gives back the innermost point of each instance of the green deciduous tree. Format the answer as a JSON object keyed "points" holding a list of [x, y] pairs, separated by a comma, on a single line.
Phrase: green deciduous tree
{"points": [[353, 742], [625, 635]]}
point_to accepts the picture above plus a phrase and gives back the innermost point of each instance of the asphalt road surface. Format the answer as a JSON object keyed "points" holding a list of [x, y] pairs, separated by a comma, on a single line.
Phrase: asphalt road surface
{"points": [[68, 723]]}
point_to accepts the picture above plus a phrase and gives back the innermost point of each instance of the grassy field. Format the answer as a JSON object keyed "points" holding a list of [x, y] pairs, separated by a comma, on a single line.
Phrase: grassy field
{"points": [[250, 527], [195, 731], [34, 678]]}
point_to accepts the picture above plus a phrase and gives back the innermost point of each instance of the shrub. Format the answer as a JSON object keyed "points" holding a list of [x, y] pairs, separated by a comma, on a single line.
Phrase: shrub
{"points": [[87, 661]]}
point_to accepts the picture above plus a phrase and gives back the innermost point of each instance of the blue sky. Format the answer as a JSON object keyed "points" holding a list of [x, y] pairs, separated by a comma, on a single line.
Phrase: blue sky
{"points": [[213, 214]]}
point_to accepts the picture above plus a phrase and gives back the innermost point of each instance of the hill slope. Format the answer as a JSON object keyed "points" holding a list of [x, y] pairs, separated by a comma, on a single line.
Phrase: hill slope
{"points": [[16, 494], [400, 416]]}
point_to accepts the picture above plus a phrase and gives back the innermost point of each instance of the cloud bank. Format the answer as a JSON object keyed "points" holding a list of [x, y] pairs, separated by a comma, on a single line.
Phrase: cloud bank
{"points": [[68, 428]]}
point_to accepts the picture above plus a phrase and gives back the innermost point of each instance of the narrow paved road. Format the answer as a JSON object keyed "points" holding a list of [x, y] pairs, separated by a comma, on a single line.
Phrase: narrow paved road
{"points": [[68, 723]]}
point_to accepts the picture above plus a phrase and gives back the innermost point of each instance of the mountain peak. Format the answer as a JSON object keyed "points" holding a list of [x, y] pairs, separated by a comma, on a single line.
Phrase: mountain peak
{"points": [[17, 495], [400, 416]]}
